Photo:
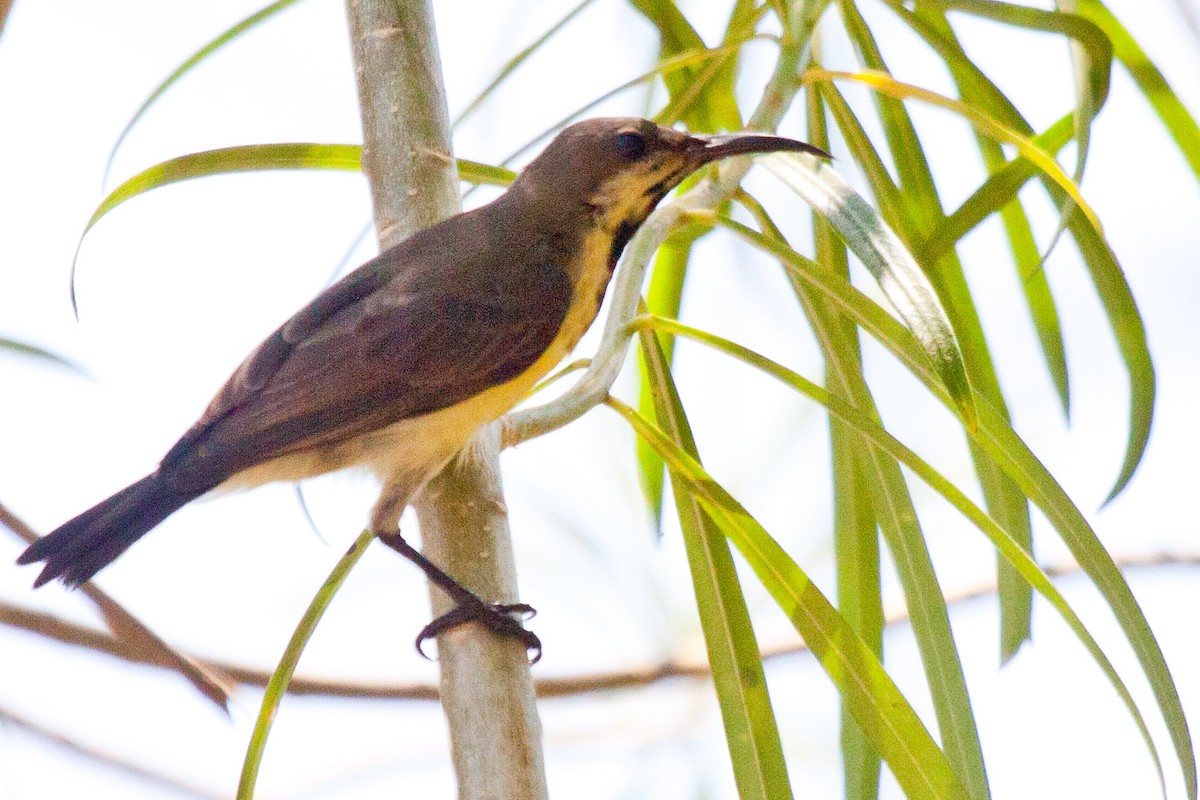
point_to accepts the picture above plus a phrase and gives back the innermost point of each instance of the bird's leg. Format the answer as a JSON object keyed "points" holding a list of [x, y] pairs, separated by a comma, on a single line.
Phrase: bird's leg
{"points": [[468, 606]]}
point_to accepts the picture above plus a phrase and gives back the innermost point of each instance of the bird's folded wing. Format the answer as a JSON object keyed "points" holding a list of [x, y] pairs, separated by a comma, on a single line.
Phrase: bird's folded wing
{"points": [[364, 355]]}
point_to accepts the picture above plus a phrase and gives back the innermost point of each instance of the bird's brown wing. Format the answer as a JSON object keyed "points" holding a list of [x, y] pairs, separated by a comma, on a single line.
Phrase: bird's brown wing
{"points": [[370, 351]]}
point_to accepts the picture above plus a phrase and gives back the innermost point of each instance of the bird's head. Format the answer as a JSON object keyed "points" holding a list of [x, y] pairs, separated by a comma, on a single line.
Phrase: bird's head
{"points": [[618, 169]]}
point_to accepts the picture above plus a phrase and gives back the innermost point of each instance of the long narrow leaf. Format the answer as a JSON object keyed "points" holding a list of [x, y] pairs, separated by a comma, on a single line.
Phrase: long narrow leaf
{"points": [[978, 119], [888, 492], [282, 676], [885, 716], [924, 205], [1107, 277], [1008, 547], [1095, 54], [889, 262], [33, 351], [1150, 80], [855, 525], [250, 22], [996, 436], [257, 158], [978, 89], [751, 732]]}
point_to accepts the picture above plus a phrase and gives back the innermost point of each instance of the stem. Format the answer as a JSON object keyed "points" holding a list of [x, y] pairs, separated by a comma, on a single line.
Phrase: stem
{"points": [[486, 688]]}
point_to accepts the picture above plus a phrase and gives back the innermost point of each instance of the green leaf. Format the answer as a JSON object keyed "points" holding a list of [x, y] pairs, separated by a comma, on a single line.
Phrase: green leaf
{"points": [[868, 426], [1107, 276], [257, 158], [1150, 80], [885, 488], [33, 351], [250, 22], [980, 120], [920, 211], [278, 684], [978, 90], [855, 525], [885, 716], [997, 438], [516, 61], [888, 261], [665, 295], [750, 729], [1094, 54]]}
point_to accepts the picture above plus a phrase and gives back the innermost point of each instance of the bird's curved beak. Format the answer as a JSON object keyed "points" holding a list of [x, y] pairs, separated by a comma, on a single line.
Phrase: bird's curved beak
{"points": [[705, 148]]}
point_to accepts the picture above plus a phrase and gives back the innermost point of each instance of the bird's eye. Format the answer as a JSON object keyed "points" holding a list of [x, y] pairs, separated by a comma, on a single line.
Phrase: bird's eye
{"points": [[631, 145]]}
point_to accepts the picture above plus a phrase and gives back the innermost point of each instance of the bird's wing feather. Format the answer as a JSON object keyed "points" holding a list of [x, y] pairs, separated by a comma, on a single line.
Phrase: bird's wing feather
{"points": [[371, 351]]}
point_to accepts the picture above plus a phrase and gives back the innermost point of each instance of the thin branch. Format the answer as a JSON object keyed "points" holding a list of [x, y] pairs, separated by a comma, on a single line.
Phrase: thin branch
{"points": [[5, 7], [134, 633], [60, 630], [105, 758]]}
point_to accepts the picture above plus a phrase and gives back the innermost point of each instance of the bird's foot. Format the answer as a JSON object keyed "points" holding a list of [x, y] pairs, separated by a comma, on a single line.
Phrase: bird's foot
{"points": [[500, 618]]}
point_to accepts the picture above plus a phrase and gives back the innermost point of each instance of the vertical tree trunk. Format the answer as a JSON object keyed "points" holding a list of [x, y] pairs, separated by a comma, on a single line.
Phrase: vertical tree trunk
{"points": [[486, 689]]}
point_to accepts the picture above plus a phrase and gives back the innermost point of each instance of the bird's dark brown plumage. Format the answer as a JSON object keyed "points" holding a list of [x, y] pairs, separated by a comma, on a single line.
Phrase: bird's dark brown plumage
{"points": [[446, 330]]}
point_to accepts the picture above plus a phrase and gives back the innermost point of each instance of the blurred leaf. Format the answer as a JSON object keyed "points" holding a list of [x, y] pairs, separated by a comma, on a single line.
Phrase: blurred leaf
{"points": [[701, 96], [885, 716], [282, 676], [22, 349], [666, 66], [1166, 103], [193, 60], [257, 158], [516, 61], [750, 729], [1094, 49]]}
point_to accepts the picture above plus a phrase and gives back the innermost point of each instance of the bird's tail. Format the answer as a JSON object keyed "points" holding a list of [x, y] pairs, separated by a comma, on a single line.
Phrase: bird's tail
{"points": [[82, 547]]}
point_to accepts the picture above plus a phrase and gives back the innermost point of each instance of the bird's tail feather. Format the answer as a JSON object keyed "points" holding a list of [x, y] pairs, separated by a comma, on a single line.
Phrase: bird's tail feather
{"points": [[80, 548]]}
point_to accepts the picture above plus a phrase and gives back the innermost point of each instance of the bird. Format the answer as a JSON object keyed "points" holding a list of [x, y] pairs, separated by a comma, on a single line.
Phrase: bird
{"points": [[394, 367]]}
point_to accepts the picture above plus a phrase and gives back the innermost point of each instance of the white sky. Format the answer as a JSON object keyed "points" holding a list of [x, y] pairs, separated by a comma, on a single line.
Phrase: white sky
{"points": [[176, 287]]}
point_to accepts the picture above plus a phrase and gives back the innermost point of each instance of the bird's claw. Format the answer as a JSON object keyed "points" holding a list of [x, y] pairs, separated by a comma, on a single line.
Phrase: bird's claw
{"points": [[496, 617]]}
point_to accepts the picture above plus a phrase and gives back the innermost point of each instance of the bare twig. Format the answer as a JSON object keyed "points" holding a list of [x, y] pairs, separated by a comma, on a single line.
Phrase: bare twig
{"points": [[105, 758], [60, 630], [133, 632], [5, 7]]}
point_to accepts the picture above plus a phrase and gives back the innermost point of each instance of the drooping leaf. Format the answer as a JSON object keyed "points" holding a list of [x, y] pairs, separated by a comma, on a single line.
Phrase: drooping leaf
{"points": [[888, 261], [751, 731], [249, 23], [885, 716], [282, 676], [37, 353], [868, 426], [256, 158]]}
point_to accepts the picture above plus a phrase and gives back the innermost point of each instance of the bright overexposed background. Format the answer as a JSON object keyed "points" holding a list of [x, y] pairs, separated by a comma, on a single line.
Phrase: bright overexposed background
{"points": [[176, 287]]}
